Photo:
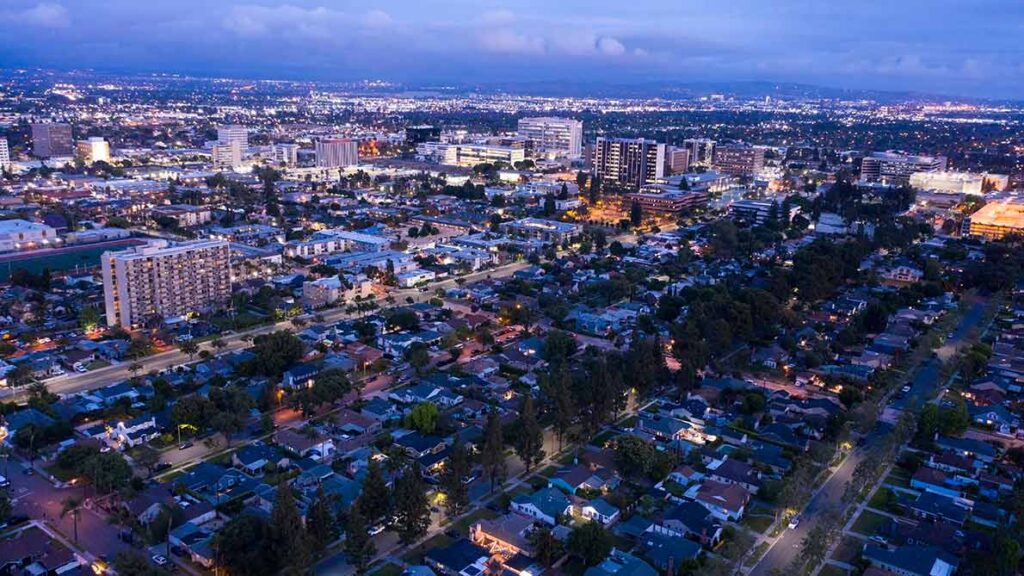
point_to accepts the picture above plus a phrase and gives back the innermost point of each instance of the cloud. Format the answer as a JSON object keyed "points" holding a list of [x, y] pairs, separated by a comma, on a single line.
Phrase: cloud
{"points": [[290, 21], [610, 46], [505, 41], [43, 15]]}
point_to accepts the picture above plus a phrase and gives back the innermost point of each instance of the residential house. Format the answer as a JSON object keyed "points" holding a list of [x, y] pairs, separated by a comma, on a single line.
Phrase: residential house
{"points": [[545, 505]]}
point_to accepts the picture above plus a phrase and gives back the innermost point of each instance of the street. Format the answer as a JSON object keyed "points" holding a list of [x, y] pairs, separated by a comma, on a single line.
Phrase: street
{"points": [[786, 548], [72, 383]]}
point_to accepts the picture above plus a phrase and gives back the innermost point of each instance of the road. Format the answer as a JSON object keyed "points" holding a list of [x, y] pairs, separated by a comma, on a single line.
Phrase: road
{"points": [[74, 383], [923, 385]]}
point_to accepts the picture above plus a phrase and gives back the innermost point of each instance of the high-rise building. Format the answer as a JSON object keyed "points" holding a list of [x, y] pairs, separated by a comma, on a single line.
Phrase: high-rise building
{"points": [[52, 139], [93, 150], [5, 155], [629, 161], [677, 160], [702, 151], [227, 155], [336, 153], [229, 133], [553, 136], [287, 154], [896, 168], [739, 159], [161, 279]]}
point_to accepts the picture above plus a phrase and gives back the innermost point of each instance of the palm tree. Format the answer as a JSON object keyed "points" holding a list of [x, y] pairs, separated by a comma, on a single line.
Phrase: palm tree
{"points": [[71, 505]]}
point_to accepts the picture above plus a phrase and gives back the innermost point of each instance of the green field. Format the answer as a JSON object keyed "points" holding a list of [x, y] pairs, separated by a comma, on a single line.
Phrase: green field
{"points": [[82, 258]]}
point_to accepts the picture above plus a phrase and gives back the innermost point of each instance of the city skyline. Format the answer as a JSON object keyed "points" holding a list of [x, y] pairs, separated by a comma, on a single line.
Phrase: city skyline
{"points": [[939, 47]]}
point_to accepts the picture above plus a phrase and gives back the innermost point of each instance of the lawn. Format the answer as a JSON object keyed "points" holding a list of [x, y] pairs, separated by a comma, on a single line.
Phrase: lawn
{"points": [[848, 550], [416, 556], [602, 438], [757, 523], [898, 477], [389, 569], [550, 471], [97, 364], [868, 523], [756, 555], [467, 521], [830, 570]]}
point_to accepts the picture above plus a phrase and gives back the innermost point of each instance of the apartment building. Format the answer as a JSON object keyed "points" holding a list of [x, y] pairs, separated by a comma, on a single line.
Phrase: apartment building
{"points": [[166, 280]]}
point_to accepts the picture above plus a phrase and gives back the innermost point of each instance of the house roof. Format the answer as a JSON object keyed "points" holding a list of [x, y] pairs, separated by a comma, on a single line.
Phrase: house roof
{"points": [[458, 555], [731, 497], [664, 550], [918, 560], [550, 501]]}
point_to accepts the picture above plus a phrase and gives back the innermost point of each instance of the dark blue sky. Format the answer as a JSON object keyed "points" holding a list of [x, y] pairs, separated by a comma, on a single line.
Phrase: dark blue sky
{"points": [[966, 47]]}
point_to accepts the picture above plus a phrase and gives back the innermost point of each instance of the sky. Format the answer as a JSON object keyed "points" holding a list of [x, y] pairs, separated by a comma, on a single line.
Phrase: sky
{"points": [[955, 47]]}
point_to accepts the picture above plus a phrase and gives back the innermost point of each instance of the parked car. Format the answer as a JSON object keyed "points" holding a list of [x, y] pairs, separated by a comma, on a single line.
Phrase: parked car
{"points": [[794, 521]]}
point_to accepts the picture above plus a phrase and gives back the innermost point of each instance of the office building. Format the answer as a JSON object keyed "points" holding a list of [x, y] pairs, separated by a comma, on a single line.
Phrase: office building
{"points": [[629, 162], [950, 182], [165, 280], [51, 140], [540, 229], [234, 133], [739, 159], [702, 151], [286, 154], [663, 200], [896, 168], [227, 155], [677, 160], [336, 153], [997, 219], [5, 155], [93, 150], [553, 137], [473, 154]]}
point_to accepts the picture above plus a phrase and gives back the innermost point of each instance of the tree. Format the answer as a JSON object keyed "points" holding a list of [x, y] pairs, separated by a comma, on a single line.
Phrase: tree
{"points": [[549, 204], [591, 542], [331, 385], [147, 457], [636, 214], [243, 546], [547, 548], [375, 500], [423, 418], [5, 507], [636, 458], [493, 454], [88, 318], [358, 546], [320, 522], [232, 406], [927, 423], [418, 356], [274, 353], [529, 440], [955, 420], [193, 410], [412, 508], [71, 506], [109, 471], [289, 541], [455, 490], [189, 348]]}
